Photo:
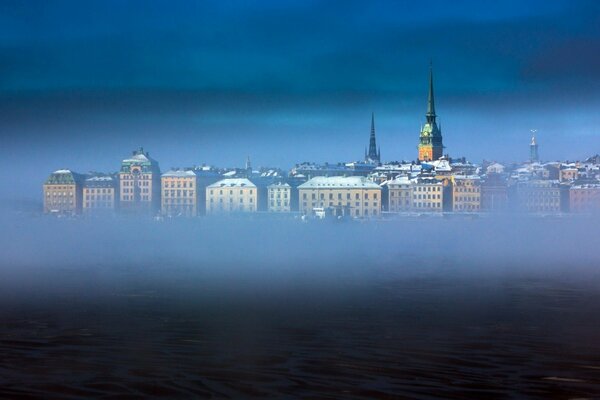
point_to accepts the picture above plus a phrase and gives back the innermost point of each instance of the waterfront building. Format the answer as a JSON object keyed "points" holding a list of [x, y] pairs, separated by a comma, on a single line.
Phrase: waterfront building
{"points": [[399, 194], [373, 155], [466, 193], [584, 198], [231, 195], [427, 195], [139, 183], [353, 196], [494, 193], [539, 196], [100, 194], [280, 197], [430, 140], [179, 193], [63, 192]]}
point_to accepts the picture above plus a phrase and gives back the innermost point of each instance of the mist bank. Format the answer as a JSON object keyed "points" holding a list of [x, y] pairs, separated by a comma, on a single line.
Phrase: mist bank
{"points": [[264, 248]]}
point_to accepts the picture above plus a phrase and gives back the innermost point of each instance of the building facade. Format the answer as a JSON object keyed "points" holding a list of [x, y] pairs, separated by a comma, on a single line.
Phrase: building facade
{"points": [[280, 197], [430, 140], [179, 193], [584, 198], [399, 194], [539, 196], [427, 195], [100, 194], [494, 193], [233, 195], [466, 193], [352, 195], [63, 192], [139, 183]]}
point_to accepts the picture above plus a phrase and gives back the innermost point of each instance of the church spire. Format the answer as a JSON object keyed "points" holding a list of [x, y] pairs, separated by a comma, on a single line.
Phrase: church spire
{"points": [[372, 155], [430, 100]]}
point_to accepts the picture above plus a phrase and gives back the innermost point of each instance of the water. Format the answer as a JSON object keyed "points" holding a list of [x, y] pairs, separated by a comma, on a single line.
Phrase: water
{"points": [[246, 320]]}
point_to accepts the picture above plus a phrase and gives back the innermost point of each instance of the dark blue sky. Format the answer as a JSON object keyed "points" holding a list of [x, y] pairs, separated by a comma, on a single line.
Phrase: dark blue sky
{"points": [[83, 83]]}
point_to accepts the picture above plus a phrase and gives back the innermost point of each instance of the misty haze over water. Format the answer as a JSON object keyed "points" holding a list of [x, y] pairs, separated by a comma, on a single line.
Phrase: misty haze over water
{"points": [[496, 307]]}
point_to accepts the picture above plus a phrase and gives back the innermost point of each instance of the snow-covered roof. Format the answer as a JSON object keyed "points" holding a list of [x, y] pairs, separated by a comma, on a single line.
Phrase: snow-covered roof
{"points": [[179, 174], [335, 182], [280, 185], [232, 182], [100, 178], [62, 171]]}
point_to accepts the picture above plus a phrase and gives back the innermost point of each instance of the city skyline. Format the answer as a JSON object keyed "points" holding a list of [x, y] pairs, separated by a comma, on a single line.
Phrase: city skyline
{"points": [[214, 83]]}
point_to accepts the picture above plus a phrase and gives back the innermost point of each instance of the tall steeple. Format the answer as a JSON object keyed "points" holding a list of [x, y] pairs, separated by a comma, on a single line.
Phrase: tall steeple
{"points": [[372, 155], [430, 141], [430, 100]]}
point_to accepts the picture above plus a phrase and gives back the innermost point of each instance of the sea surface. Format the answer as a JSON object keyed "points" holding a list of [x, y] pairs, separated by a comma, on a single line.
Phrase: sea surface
{"points": [[309, 314]]}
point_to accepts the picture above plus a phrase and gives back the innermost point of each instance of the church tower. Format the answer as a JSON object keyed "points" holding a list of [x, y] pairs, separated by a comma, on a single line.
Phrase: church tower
{"points": [[373, 155], [430, 141]]}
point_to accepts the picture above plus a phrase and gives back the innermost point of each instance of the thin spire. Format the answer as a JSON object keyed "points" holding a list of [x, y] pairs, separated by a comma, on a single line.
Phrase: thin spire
{"points": [[430, 100], [372, 155]]}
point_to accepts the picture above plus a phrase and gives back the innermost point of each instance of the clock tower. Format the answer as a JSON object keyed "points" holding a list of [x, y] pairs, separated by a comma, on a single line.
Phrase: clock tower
{"points": [[430, 141]]}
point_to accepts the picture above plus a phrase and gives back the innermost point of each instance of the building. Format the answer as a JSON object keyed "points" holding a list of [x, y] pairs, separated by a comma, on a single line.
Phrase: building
{"points": [[63, 192], [399, 194], [232, 195], [568, 174], [427, 195], [494, 193], [179, 193], [373, 155], [539, 196], [280, 197], [100, 194], [466, 193], [584, 198], [430, 141], [139, 183], [352, 195]]}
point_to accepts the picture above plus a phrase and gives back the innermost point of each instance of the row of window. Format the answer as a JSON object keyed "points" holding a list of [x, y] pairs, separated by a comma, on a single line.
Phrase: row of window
{"points": [[339, 196], [59, 194], [179, 193], [427, 196], [251, 191], [131, 198], [98, 190], [331, 204], [103, 197], [179, 184], [140, 183]]}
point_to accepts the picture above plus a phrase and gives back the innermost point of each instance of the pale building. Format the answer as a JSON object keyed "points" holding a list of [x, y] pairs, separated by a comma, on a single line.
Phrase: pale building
{"points": [[63, 192], [400, 194], [233, 195], [280, 196], [353, 195], [466, 193], [179, 193], [427, 195], [99, 194], [139, 183]]}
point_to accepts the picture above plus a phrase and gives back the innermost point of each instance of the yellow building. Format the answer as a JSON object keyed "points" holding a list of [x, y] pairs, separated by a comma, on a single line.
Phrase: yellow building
{"points": [[427, 195], [280, 195], [63, 192], [139, 183], [466, 193], [99, 194], [179, 193], [234, 195], [353, 195], [400, 194]]}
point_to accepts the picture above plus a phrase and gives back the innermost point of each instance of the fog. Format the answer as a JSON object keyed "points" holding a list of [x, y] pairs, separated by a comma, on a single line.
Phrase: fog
{"points": [[494, 307], [283, 254]]}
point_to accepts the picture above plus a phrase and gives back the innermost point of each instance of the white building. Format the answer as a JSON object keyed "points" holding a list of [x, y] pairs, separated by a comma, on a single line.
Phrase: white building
{"points": [[232, 195]]}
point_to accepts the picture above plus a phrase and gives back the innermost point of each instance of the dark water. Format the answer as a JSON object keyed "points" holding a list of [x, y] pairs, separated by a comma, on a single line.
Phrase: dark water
{"points": [[136, 331]]}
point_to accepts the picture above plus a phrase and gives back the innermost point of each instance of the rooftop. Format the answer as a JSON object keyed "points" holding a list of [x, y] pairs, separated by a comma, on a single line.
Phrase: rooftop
{"points": [[232, 182], [339, 182]]}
